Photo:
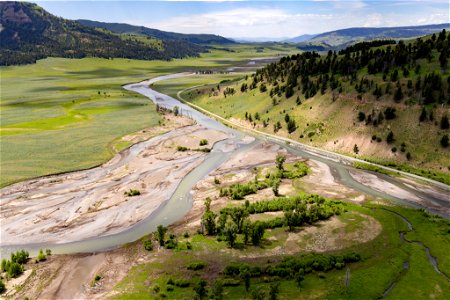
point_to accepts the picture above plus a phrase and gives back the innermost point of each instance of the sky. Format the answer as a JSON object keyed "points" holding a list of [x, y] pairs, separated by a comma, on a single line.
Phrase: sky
{"points": [[256, 19]]}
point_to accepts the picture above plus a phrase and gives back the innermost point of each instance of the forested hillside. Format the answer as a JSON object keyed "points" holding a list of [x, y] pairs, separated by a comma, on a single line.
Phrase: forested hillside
{"points": [[382, 101], [155, 33], [29, 33]]}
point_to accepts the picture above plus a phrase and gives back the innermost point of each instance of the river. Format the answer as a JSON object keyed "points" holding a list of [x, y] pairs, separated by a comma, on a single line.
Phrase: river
{"points": [[181, 200]]}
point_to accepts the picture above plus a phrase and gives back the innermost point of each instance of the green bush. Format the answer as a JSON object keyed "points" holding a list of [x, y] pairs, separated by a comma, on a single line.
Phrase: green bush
{"points": [[41, 256], [183, 283], [182, 148], [20, 257], [148, 245], [15, 269], [132, 193], [2, 287], [196, 266], [231, 282], [203, 142], [171, 244]]}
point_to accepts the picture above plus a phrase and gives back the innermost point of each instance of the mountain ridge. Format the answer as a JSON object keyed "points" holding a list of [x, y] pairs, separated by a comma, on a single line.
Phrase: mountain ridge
{"points": [[341, 38], [30, 33], [124, 28]]}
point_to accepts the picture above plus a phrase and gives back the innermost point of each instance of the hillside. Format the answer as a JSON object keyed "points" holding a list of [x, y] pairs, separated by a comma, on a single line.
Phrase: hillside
{"points": [[384, 103], [301, 38], [30, 33], [339, 39], [155, 33]]}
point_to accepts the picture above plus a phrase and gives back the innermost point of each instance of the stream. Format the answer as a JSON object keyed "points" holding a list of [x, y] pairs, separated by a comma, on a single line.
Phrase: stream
{"points": [[180, 202], [431, 258]]}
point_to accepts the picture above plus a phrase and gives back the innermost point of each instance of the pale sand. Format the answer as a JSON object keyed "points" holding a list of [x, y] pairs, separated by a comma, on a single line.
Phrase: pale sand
{"points": [[91, 203]]}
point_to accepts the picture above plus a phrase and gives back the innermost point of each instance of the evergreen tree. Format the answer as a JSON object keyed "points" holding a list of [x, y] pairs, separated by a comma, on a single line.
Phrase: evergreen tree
{"points": [[423, 115], [444, 141], [444, 122], [390, 137], [398, 94], [291, 126]]}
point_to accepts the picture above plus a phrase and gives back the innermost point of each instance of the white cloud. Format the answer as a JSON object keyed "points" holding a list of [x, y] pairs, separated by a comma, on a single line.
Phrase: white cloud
{"points": [[251, 22]]}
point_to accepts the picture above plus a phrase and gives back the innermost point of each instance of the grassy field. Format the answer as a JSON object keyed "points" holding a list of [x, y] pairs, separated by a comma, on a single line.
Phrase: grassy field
{"points": [[382, 263], [64, 114]]}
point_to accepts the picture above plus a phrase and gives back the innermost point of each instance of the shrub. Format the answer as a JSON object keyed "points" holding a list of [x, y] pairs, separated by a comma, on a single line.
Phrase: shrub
{"points": [[148, 245], [15, 269], [41, 256], [196, 266], [203, 142], [234, 269], [182, 148], [231, 282], [2, 287], [169, 288], [188, 246], [171, 244], [182, 283], [20, 257], [132, 193]]}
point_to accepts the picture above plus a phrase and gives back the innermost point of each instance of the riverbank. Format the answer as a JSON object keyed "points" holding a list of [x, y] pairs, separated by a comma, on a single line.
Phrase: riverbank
{"points": [[97, 202]]}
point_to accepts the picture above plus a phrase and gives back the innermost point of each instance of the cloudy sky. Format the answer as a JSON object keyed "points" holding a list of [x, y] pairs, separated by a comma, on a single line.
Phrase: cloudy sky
{"points": [[254, 19]]}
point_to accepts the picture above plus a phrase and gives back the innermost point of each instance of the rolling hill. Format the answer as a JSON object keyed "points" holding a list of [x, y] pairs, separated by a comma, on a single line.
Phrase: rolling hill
{"points": [[155, 33], [28, 33], [339, 39], [382, 101]]}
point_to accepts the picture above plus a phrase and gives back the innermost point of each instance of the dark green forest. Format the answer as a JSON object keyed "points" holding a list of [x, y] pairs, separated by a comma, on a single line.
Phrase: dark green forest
{"points": [[312, 73], [30, 33]]}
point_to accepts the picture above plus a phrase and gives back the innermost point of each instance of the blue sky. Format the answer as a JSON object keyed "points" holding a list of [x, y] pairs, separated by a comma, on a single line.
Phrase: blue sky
{"points": [[253, 19]]}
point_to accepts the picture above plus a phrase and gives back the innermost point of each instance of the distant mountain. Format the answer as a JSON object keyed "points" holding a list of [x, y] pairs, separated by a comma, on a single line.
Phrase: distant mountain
{"points": [[259, 39], [339, 39], [155, 33], [300, 38], [28, 33]]}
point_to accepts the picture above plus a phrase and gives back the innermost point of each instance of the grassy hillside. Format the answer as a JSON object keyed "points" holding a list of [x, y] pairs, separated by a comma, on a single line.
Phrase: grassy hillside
{"points": [[65, 114], [337, 110]]}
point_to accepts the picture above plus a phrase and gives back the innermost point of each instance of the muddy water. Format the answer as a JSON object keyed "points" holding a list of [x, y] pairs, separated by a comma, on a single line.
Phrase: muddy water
{"points": [[181, 201]]}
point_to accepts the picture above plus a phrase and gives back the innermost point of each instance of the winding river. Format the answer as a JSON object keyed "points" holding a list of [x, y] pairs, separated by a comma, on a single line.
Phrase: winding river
{"points": [[181, 200]]}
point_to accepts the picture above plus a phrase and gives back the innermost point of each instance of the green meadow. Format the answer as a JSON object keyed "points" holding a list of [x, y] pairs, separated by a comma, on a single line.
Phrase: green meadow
{"points": [[61, 114], [382, 264]]}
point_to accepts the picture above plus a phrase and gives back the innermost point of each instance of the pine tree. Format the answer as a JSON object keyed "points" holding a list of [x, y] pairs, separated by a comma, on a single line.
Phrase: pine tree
{"points": [[444, 122]]}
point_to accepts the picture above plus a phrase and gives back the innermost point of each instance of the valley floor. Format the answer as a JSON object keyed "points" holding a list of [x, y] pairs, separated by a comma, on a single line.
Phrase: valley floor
{"points": [[131, 272]]}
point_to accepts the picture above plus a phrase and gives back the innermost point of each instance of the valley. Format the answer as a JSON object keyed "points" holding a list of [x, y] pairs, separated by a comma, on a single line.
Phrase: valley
{"points": [[239, 168], [164, 159]]}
